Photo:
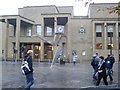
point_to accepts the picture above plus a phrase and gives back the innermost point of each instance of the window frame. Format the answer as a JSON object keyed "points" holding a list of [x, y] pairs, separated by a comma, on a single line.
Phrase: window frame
{"points": [[98, 29], [37, 31], [48, 33], [110, 28]]}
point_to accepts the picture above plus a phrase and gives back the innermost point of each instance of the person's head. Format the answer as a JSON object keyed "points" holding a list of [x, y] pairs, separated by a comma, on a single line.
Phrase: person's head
{"points": [[108, 55], [30, 52], [101, 58], [96, 54]]}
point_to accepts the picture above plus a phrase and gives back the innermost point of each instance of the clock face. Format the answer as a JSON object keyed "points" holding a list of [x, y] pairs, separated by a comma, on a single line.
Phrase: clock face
{"points": [[60, 29], [82, 30]]}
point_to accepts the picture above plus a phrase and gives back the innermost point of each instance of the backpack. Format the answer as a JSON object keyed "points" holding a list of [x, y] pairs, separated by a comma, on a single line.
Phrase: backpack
{"points": [[93, 61], [24, 67]]}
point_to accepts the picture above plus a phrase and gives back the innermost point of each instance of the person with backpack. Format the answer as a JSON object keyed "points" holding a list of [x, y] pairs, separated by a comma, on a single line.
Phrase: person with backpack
{"points": [[94, 64], [29, 74], [109, 64]]}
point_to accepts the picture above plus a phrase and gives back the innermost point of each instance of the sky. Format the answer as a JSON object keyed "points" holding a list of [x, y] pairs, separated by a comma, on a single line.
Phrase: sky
{"points": [[10, 7]]}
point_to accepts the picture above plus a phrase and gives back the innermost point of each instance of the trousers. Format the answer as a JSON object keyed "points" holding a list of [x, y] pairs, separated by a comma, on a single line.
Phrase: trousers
{"points": [[29, 81]]}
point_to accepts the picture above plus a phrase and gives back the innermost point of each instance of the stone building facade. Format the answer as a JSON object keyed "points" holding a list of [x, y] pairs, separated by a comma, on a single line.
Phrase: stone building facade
{"points": [[99, 32]]}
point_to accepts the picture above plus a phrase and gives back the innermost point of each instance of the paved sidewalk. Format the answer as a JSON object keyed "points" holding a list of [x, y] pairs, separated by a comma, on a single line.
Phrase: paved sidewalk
{"points": [[59, 76]]}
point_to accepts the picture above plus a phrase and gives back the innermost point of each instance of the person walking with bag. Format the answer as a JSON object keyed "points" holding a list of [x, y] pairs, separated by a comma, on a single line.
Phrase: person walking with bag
{"points": [[29, 75], [102, 71]]}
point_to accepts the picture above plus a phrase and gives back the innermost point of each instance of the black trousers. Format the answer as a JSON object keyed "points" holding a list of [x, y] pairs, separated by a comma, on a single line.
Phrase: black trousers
{"points": [[100, 76]]}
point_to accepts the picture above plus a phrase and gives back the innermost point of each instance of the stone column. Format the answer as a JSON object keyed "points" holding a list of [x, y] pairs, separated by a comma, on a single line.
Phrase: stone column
{"points": [[41, 41], [55, 29], [33, 51], [22, 50], [116, 44], [33, 29], [69, 39], [94, 35], [6, 39], [105, 36], [17, 45], [42, 50], [117, 37]]}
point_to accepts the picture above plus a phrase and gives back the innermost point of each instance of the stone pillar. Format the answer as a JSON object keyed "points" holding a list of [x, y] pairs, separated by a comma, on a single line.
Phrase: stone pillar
{"points": [[105, 36], [42, 42], [33, 51], [68, 34], [55, 23], [117, 37], [33, 30], [17, 45], [42, 50], [117, 41], [6, 39], [94, 35], [22, 50], [55, 29]]}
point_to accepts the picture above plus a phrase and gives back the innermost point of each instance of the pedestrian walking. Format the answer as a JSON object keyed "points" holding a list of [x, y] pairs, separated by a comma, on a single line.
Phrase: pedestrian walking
{"points": [[112, 62], [109, 64], [102, 71], [29, 75], [74, 59], [94, 64]]}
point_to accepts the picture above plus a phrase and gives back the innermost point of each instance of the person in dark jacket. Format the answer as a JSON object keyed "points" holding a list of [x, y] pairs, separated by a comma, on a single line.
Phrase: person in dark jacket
{"points": [[29, 76], [113, 61], [102, 71], [109, 64], [94, 63]]}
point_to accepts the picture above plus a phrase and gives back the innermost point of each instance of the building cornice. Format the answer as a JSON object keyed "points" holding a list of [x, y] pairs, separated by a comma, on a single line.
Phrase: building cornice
{"points": [[56, 14], [45, 6], [14, 16], [96, 19], [102, 3]]}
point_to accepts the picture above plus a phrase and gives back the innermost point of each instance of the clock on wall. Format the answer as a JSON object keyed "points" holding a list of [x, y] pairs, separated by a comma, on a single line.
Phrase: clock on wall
{"points": [[60, 29], [82, 30]]}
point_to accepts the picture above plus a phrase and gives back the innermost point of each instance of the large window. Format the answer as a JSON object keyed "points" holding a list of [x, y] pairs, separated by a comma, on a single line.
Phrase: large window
{"points": [[38, 29], [49, 26], [110, 28], [98, 29], [49, 31], [29, 32]]}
